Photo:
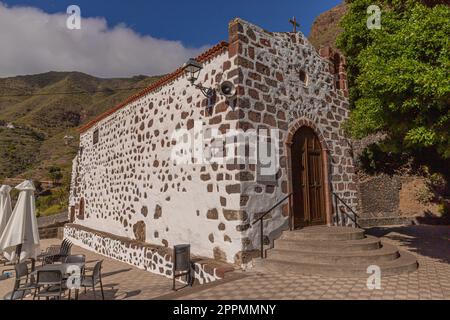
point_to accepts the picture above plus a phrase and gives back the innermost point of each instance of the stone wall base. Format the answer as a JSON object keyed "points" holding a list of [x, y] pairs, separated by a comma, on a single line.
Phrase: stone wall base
{"points": [[155, 259], [48, 233], [385, 221]]}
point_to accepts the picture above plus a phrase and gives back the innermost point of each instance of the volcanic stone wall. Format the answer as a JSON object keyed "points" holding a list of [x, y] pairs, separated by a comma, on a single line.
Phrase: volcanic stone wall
{"points": [[127, 184], [155, 259], [124, 179], [284, 83]]}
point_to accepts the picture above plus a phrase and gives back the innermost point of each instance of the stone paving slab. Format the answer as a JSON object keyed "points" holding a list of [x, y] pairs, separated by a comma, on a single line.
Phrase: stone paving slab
{"points": [[431, 245], [121, 281]]}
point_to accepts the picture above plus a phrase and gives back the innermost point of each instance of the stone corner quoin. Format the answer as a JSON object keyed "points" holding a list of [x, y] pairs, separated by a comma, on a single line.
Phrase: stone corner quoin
{"points": [[126, 184]]}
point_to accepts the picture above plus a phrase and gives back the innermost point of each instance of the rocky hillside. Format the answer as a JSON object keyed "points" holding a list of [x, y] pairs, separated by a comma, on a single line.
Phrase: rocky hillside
{"points": [[38, 111], [406, 191], [326, 27]]}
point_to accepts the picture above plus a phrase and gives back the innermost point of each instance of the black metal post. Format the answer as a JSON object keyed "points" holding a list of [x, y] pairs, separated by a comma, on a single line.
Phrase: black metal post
{"points": [[261, 218], [173, 275], [336, 210], [18, 252], [262, 239]]}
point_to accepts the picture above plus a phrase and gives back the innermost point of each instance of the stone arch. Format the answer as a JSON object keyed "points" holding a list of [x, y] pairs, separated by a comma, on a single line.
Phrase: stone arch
{"points": [[293, 128], [304, 122]]}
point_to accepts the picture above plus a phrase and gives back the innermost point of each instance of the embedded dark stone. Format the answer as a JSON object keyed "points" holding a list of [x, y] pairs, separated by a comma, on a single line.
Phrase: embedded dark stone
{"points": [[245, 176], [212, 214], [242, 228], [235, 215], [190, 124], [158, 212], [205, 177], [139, 231], [246, 242], [244, 200], [219, 254], [234, 188], [144, 211]]}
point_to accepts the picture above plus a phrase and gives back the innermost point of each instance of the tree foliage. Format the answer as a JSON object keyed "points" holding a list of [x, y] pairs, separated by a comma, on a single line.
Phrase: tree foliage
{"points": [[55, 173], [399, 75]]}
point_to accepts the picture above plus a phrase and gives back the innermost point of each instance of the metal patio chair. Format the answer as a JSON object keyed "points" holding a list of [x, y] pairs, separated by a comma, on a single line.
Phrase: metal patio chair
{"points": [[24, 284], [78, 258], [91, 281], [3, 260], [57, 254], [49, 284], [7, 263]]}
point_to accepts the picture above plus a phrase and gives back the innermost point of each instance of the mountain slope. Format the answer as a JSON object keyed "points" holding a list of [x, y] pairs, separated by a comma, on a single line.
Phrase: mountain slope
{"points": [[326, 29], [41, 120]]}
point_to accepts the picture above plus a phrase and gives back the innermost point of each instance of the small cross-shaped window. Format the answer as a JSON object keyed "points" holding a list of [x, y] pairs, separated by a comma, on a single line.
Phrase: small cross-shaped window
{"points": [[303, 77], [95, 137]]}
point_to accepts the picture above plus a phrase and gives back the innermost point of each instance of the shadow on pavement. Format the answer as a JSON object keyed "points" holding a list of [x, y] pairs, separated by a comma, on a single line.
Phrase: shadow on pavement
{"points": [[112, 273], [429, 241]]}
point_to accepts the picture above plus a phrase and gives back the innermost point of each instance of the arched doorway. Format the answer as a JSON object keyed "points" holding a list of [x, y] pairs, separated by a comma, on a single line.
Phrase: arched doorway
{"points": [[308, 179]]}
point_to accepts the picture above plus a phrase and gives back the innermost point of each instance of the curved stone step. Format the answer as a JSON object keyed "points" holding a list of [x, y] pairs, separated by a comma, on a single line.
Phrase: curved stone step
{"points": [[405, 263], [336, 258], [324, 233], [368, 243]]}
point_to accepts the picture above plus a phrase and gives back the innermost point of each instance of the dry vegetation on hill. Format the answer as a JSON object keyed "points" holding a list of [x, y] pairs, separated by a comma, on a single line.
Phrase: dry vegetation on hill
{"points": [[41, 121], [33, 127]]}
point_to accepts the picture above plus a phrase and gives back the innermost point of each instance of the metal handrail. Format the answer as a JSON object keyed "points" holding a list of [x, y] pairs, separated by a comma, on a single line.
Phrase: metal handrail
{"points": [[353, 218], [263, 216]]}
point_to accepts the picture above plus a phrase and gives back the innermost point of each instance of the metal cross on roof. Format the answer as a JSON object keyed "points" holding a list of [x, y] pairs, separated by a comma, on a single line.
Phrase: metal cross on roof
{"points": [[294, 22]]}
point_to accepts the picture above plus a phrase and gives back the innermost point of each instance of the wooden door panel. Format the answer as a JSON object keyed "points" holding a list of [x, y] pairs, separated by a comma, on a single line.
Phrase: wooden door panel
{"points": [[307, 179], [298, 185], [315, 188]]}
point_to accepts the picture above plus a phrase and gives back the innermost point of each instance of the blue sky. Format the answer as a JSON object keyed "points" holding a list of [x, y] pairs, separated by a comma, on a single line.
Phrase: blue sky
{"points": [[195, 23], [126, 38]]}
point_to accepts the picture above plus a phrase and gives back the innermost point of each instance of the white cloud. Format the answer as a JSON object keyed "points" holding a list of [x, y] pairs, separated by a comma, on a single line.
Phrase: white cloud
{"points": [[33, 41]]}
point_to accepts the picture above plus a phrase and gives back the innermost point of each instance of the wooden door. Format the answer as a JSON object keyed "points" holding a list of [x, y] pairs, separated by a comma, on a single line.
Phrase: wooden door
{"points": [[307, 179]]}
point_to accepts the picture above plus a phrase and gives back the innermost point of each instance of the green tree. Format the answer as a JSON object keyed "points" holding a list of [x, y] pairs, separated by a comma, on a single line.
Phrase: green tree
{"points": [[399, 75], [55, 173], [61, 197]]}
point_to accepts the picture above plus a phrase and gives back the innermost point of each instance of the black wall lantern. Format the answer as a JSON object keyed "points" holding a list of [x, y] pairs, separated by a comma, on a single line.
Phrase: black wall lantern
{"points": [[193, 68]]}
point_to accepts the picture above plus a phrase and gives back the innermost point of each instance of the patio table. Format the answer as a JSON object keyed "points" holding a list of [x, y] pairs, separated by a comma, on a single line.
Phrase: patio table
{"points": [[63, 267]]}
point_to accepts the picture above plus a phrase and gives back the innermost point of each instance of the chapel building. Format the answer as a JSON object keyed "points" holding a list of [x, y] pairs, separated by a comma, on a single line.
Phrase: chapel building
{"points": [[131, 201]]}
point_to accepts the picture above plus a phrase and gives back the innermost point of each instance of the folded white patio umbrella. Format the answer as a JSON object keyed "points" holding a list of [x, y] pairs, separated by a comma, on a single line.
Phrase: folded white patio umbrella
{"points": [[22, 227], [5, 207]]}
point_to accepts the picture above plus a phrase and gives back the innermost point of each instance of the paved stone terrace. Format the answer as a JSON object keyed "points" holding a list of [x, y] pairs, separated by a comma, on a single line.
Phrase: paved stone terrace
{"points": [[431, 245], [121, 281]]}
